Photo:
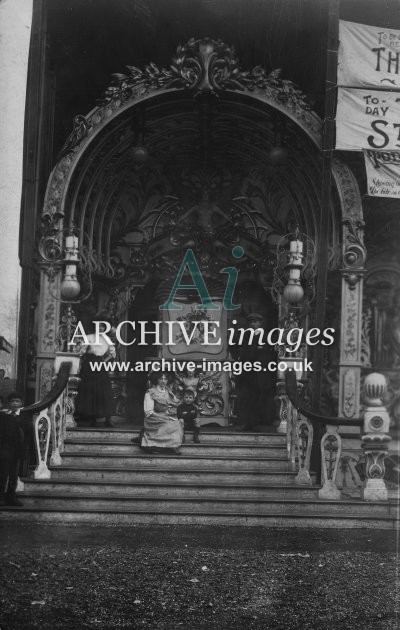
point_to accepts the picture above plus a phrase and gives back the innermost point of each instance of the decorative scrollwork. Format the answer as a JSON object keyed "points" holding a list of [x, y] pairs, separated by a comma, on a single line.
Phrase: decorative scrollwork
{"points": [[208, 389], [212, 405], [202, 65], [349, 388], [79, 131], [375, 465], [43, 432], [331, 449], [57, 423], [50, 247], [355, 253], [209, 396], [304, 438], [42, 442], [303, 442], [66, 331]]}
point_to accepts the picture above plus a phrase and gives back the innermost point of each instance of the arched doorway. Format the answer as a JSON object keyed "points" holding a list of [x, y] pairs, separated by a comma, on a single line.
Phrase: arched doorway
{"points": [[207, 179]]}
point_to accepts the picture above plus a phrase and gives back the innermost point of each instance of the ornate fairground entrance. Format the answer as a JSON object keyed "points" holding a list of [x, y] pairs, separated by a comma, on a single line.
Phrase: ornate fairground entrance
{"points": [[206, 156], [225, 162]]}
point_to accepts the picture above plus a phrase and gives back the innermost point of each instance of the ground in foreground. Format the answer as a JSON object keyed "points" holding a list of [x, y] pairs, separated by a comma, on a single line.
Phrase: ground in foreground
{"points": [[66, 577]]}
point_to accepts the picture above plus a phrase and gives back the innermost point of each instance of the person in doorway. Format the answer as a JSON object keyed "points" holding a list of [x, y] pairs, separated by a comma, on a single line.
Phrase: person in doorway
{"points": [[95, 397], [256, 404], [15, 437], [162, 432], [187, 411]]}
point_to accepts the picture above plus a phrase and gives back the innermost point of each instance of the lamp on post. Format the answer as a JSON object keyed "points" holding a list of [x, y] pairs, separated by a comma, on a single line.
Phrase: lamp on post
{"points": [[293, 292], [294, 270], [61, 250], [70, 287], [294, 262]]}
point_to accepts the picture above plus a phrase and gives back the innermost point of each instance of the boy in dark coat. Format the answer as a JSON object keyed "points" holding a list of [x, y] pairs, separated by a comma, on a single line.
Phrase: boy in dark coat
{"points": [[11, 451], [187, 411]]}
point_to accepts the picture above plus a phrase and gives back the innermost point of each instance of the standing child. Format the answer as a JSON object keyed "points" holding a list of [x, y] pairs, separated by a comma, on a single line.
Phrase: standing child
{"points": [[187, 411], [11, 451]]}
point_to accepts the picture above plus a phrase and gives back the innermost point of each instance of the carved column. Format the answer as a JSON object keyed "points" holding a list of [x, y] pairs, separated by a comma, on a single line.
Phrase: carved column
{"points": [[350, 344], [49, 313], [375, 440], [353, 259]]}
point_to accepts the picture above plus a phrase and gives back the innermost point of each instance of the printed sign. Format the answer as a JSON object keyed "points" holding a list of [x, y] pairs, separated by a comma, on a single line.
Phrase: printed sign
{"points": [[367, 120], [383, 173], [368, 56]]}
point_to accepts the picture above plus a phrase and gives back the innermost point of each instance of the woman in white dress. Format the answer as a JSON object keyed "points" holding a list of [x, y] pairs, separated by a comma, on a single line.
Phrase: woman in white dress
{"points": [[163, 431]]}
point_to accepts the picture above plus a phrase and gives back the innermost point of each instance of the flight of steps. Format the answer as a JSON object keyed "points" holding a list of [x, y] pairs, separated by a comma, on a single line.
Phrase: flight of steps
{"points": [[230, 478]]}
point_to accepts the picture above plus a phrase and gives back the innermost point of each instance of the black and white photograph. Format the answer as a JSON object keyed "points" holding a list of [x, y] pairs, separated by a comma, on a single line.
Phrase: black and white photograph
{"points": [[199, 314]]}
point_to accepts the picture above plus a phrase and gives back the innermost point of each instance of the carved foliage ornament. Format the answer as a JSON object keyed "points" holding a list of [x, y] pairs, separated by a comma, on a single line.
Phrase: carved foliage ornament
{"points": [[349, 392], [204, 65]]}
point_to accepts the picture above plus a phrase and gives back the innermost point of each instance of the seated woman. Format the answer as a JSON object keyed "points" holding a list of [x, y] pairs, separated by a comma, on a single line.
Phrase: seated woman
{"points": [[163, 432]]}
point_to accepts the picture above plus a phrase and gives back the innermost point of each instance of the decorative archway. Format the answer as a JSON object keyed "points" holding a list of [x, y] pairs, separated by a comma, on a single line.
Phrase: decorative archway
{"points": [[203, 87]]}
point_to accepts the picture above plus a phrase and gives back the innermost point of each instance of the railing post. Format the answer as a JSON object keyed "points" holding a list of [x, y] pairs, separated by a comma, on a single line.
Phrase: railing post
{"points": [[331, 448], [62, 410], [282, 398], [42, 441], [288, 421], [56, 413], [70, 402], [304, 434], [72, 387], [375, 440]]}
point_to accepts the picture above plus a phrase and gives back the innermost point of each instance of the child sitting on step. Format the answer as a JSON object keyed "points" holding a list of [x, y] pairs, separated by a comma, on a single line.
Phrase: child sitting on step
{"points": [[187, 411]]}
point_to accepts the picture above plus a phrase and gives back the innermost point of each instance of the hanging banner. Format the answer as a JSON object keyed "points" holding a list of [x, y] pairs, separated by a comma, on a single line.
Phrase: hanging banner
{"points": [[367, 120], [383, 173], [368, 56]]}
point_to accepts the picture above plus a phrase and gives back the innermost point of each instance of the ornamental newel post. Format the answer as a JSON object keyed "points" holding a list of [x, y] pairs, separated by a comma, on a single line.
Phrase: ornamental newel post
{"points": [[72, 387], [375, 440]]}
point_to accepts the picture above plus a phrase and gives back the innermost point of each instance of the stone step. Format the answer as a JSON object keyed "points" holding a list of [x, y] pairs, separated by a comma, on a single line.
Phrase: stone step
{"points": [[166, 489], [190, 505], [228, 435], [120, 447], [136, 474], [206, 461], [110, 516]]}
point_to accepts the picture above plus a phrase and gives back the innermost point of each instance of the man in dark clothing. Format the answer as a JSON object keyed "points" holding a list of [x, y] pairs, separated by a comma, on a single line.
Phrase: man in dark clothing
{"points": [[12, 450], [256, 389]]}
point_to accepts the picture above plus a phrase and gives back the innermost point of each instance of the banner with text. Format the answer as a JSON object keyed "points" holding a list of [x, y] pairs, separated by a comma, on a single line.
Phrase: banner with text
{"points": [[383, 173], [368, 56], [367, 120]]}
